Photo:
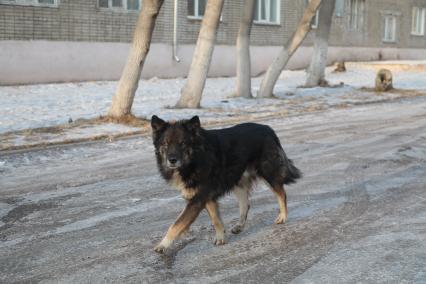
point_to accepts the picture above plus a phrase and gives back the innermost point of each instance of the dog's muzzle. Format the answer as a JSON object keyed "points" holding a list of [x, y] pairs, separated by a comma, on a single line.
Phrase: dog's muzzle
{"points": [[173, 163]]}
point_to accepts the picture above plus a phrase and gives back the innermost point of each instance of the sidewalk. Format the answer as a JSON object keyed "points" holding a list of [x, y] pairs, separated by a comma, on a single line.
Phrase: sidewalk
{"points": [[37, 115]]}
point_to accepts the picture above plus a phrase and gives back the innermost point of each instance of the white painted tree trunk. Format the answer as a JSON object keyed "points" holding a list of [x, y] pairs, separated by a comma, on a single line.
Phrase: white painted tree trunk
{"points": [[316, 70], [274, 71], [125, 93], [193, 89], [243, 51]]}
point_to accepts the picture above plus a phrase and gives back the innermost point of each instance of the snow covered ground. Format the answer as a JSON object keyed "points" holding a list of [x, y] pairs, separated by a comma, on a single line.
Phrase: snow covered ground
{"points": [[35, 106], [92, 213]]}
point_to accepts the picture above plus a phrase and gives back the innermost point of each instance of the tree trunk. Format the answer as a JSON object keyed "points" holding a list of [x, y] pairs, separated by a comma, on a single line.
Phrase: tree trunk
{"points": [[316, 69], [125, 93], [243, 51], [274, 71], [193, 89]]}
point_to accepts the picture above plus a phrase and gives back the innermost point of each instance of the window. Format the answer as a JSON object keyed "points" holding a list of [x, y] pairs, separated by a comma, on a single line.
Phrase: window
{"points": [[314, 22], [339, 8], [196, 8], [418, 21], [267, 11], [390, 28], [43, 3], [120, 5], [357, 14]]}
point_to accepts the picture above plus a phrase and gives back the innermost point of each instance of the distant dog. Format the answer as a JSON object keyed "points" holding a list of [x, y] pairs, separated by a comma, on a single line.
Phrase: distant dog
{"points": [[206, 164]]}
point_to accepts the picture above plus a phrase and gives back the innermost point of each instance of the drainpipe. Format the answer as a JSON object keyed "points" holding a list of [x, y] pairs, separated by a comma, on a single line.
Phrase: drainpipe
{"points": [[175, 18]]}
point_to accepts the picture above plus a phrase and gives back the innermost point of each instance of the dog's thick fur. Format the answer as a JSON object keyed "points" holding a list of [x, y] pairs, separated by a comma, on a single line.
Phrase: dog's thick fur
{"points": [[206, 164]]}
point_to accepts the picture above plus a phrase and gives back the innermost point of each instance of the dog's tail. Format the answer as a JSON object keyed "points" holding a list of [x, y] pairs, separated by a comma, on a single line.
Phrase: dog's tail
{"points": [[292, 173]]}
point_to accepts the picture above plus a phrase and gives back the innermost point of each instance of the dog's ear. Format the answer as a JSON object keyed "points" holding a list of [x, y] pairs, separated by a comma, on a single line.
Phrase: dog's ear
{"points": [[194, 123], [157, 123]]}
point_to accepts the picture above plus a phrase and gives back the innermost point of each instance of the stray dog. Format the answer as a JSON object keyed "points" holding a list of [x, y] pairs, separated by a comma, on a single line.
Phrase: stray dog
{"points": [[206, 164]]}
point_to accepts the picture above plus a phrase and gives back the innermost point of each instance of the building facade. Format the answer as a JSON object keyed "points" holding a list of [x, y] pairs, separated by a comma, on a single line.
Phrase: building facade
{"points": [[75, 40]]}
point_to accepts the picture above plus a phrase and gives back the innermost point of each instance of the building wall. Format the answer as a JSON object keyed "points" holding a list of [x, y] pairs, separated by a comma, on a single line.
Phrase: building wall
{"points": [[78, 41], [82, 20], [72, 20]]}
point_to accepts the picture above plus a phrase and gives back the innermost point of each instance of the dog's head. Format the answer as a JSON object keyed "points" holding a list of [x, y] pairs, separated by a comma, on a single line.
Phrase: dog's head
{"points": [[174, 141]]}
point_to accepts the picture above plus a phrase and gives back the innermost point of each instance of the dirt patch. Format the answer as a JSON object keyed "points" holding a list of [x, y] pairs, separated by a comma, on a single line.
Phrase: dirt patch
{"points": [[128, 119], [40, 137], [402, 93]]}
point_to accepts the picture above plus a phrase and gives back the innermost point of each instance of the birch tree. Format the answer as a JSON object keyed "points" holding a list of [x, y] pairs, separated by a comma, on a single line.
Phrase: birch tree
{"points": [[274, 71], [193, 88], [128, 84], [316, 70], [243, 51]]}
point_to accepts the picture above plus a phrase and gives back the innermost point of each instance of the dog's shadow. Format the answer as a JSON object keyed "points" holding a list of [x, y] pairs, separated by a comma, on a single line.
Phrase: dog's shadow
{"points": [[256, 224], [169, 256]]}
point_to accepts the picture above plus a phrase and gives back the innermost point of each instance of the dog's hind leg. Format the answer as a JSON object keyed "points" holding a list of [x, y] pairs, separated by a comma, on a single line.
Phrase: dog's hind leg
{"points": [[213, 210], [242, 194], [282, 201], [273, 169], [182, 223]]}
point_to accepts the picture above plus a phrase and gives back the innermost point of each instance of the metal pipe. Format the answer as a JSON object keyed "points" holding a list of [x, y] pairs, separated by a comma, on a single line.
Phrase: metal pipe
{"points": [[175, 18]]}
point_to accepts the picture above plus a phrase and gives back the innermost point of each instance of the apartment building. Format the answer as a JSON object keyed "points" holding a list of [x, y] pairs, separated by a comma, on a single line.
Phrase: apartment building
{"points": [[76, 40]]}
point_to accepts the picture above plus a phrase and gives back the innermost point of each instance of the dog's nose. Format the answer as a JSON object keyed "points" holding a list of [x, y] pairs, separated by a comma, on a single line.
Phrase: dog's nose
{"points": [[172, 160]]}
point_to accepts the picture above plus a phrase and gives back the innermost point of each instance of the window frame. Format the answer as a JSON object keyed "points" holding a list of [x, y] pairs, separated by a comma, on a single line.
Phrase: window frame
{"points": [[268, 14], [418, 11], [122, 9], [385, 28], [33, 3], [196, 17]]}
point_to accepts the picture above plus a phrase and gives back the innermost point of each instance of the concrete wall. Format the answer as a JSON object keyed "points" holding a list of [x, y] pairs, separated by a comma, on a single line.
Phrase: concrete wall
{"points": [[27, 62]]}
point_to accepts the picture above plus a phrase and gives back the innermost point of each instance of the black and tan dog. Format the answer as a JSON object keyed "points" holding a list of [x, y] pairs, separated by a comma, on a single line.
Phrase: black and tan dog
{"points": [[206, 164]]}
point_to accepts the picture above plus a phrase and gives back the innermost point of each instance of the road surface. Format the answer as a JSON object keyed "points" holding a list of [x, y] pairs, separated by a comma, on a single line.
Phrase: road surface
{"points": [[92, 213]]}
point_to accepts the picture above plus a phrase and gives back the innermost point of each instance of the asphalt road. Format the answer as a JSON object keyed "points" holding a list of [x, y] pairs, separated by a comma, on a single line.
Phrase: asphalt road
{"points": [[93, 213]]}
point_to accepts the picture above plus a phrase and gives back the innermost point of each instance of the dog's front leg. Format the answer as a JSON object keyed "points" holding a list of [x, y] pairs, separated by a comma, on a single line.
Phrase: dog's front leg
{"points": [[182, 223], [213, 210]]}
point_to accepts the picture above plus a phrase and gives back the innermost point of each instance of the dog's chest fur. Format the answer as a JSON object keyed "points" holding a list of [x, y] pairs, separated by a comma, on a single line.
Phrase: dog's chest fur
{"points": [[187, 193]]}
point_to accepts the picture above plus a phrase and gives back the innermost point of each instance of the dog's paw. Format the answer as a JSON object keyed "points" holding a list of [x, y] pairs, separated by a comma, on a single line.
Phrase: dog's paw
{"points": [[219, 242], [237, 229], [160, 248], [281, 219]]}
